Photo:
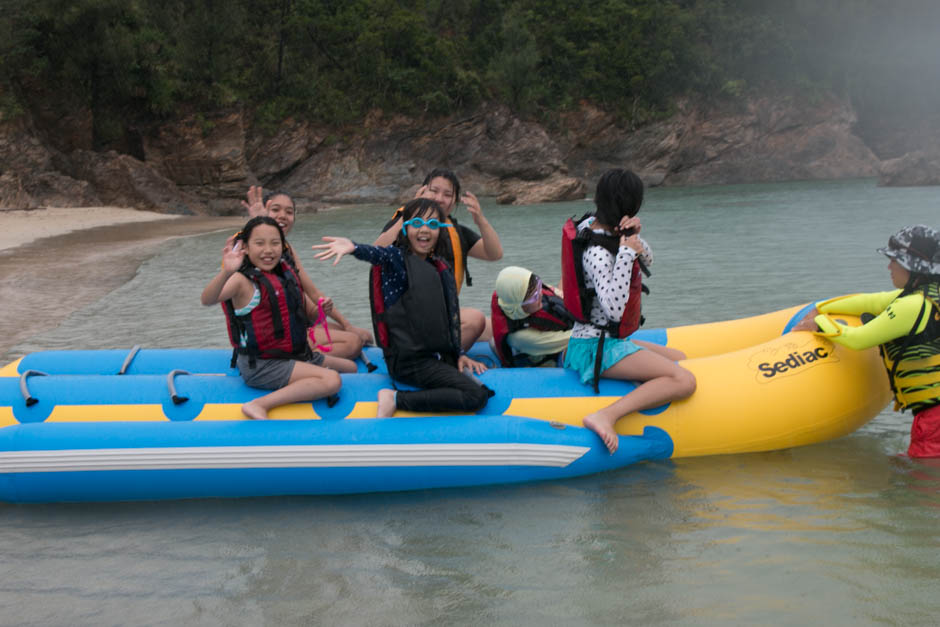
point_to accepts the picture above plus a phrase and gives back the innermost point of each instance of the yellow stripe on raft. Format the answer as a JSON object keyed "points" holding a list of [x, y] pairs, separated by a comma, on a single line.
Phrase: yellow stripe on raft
{"points": [[233, 411], [6, 417], [10, 370], [107, 413]]}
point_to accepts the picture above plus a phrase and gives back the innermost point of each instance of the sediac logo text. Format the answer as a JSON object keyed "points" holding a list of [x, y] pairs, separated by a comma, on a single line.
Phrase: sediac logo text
{"points": [[793, 361], [790, 359]]}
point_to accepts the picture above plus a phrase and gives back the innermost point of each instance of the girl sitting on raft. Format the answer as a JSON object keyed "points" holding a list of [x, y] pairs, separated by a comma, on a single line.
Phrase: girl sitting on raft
{"points": [[606, 266], [905, 323], [532, 326], [416, 315], [344, 339], [268, 317], [459, 243]]}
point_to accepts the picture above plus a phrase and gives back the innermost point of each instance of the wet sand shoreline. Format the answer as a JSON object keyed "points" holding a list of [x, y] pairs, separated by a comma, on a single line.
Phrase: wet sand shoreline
{"points": [[75, 262]]}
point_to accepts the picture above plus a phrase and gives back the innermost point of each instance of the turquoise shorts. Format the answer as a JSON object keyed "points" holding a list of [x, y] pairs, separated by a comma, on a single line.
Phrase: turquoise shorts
{"points": [[581, 352]]}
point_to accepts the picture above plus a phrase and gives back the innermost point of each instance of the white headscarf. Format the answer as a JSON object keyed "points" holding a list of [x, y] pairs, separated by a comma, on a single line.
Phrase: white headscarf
{"points": [[512, 283]]}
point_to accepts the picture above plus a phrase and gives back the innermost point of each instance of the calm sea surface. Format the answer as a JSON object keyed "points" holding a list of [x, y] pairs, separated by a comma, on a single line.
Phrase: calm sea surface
{"points": [[844, 530]]}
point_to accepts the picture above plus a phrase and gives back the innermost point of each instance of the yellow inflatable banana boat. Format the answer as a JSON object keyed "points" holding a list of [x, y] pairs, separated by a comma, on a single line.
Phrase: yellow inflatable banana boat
{"points": [[759, 387]]}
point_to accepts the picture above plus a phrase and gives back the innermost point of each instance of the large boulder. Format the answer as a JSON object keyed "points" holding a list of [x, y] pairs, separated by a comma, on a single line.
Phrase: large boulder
{"points": [[29, 171], [12, 193], [492, 151], [915, 168], [766, 138], [205, 155], [123, 181], [275, 155]]}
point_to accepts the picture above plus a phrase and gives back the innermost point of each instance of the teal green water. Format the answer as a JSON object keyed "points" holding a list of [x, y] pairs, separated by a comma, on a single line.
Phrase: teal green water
{"points": [[845, 531]]}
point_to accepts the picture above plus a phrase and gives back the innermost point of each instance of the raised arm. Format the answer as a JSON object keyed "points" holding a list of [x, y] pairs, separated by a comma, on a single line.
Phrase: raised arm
{"points": [[488, 248], [228, 283], [254, 202], [387, 238]]}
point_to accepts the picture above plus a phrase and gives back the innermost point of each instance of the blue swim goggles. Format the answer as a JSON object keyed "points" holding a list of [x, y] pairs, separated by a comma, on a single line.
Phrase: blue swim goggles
{"points": [[433, 224]]}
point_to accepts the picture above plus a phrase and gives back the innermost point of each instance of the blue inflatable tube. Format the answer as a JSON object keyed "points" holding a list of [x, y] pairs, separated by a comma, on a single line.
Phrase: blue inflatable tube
{"points": [[142, 461]]}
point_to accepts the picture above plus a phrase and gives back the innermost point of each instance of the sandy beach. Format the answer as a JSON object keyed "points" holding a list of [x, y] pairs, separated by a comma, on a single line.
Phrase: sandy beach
{"points": [[54, 261]]}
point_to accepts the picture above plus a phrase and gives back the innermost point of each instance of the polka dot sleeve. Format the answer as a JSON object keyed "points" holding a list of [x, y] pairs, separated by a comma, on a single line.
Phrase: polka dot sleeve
{"points": [[610, 278]]}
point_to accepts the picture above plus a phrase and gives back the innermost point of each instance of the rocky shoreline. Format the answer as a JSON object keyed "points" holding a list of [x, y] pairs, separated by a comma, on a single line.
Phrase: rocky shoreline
{"points": [[202, 164]]}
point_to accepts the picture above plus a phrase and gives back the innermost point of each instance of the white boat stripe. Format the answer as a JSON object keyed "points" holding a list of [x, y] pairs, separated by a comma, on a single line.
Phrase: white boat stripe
{"points": [[313, 456]]}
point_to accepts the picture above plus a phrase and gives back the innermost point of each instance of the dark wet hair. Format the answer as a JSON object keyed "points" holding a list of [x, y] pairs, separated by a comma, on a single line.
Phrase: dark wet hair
{"points": [[619, 193], [918, 281], [250, 226], [447, 174], [268, 196], [419, 208]]}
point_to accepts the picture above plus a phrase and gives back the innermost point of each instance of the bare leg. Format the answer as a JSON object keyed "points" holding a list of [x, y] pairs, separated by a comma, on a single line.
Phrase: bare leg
{"points": [[487, 331], [307, 383], [472, 326], [662, 381], [345, 344], [339, 364], [672, 354], [386, 404]]}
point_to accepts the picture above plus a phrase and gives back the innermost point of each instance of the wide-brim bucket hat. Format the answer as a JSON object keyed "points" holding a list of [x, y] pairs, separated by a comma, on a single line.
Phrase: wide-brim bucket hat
{"points": [[916, 248]]}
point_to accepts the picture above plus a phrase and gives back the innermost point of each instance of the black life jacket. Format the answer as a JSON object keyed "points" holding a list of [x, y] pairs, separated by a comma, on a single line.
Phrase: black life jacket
{"points": [[277, 327], [551, 317], [426, 319]]}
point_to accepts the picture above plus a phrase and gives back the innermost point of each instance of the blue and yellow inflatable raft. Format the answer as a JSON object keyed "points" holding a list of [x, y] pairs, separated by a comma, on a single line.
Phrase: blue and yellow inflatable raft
{"points": [[156, 424]]}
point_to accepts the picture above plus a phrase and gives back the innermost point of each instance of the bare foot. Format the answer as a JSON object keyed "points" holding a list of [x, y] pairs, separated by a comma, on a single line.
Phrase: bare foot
{"points": [[254, 411], [605, 429], [386, 404]]}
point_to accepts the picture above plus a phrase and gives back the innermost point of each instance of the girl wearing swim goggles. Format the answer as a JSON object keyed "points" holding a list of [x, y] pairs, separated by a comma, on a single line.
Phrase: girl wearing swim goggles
{"points": [[432, 224]]}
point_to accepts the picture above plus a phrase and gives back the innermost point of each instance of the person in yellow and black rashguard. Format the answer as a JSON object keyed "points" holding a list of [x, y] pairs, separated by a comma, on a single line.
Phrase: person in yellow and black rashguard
{"points": [[905, 324]]}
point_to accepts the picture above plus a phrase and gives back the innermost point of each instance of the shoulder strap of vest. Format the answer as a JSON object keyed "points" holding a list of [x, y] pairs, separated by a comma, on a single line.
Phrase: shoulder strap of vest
{"points": [[377, 305], [907, 344], [456, 246]]}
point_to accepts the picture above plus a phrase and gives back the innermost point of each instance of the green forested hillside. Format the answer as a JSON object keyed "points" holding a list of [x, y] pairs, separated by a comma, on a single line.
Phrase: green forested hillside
{"points": [[130, 61]]}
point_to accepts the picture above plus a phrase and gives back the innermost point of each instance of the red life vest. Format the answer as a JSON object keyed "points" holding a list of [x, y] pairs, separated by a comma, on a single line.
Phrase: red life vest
{"points": [[551, 317], [426, 319], [277, 327], [578, 298]]}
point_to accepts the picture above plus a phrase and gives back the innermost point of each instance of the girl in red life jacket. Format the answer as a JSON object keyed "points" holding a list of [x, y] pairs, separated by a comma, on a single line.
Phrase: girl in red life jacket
{"points": [[416, 316], [268, 316], [344, 339], [532, 326], [458, 243], [618, 198]]}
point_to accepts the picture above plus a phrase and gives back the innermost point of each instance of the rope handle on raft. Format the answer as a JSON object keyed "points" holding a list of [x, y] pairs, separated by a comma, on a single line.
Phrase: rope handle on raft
{"points": [[171, 385], [129, 359], [321, 319], [371, 367], [24, 389]]}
